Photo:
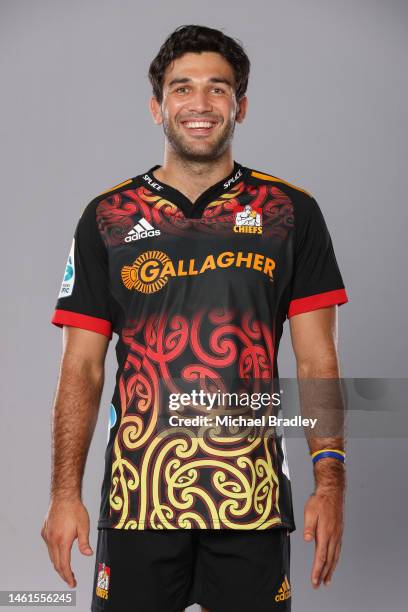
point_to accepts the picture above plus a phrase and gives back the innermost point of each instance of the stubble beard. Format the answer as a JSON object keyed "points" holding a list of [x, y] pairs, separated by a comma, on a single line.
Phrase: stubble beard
{"points": [[188, 152]]}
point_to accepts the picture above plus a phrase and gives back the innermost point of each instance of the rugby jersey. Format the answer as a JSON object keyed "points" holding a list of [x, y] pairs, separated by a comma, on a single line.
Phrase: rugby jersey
{"points": [[197, 295]]}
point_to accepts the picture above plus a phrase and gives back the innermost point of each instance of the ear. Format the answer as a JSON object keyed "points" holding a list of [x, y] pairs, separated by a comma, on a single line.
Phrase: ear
{"points": [[155, 110], [241, 109]]}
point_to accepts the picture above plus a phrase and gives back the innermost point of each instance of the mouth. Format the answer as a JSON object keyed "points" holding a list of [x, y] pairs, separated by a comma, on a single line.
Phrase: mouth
{"points": [[201, 127]]}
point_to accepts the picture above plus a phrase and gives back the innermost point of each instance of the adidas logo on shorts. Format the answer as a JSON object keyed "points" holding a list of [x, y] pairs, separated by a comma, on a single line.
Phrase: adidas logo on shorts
{"points": [[284, 592], [142, 229]]}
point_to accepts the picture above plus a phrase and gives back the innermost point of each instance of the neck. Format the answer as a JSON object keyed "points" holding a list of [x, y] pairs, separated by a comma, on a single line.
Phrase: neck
{"points": [[192, 178]]}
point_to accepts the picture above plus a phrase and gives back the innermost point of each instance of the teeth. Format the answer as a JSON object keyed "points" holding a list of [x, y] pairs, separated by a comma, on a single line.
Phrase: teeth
{"points": [[198, 124]]}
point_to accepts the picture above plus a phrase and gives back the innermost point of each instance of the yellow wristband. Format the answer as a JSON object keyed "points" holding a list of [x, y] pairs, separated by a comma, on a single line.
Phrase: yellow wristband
{"points": [[324, 450]]}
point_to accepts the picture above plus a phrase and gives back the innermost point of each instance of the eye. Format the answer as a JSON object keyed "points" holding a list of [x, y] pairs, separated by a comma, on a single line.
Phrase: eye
{"points": [[218, 90], [181, 89]]}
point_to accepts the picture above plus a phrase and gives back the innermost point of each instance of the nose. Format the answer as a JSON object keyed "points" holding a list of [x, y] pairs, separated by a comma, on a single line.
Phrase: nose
{"points": [[200, 102]]}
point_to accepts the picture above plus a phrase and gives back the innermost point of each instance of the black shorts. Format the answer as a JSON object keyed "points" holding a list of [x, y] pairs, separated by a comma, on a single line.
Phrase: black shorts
{"points": [[168, 570]]}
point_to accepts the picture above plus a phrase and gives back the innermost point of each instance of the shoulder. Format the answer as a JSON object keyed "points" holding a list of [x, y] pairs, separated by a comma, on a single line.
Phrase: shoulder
{"points": [[115, 188], [261, 177], [305, 207], [307, 215], [90, 209]]}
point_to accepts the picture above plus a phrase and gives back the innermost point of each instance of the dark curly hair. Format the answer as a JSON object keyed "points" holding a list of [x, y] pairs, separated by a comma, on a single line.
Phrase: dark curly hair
{"points": [[196, 39]]}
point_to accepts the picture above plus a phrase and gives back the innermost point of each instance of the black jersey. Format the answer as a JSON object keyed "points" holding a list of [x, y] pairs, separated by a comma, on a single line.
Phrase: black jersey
{"points": [[197, 294]]}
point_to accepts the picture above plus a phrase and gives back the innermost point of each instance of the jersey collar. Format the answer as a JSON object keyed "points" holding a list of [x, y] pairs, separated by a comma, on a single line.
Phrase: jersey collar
{"points": [[194, 209]]}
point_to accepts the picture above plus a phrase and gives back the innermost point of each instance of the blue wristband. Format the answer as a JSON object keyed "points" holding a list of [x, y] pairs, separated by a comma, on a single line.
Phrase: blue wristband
{"points": [[340, 455]]}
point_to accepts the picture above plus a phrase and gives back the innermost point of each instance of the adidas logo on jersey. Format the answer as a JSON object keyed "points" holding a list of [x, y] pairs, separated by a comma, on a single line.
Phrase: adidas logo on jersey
{"points": [[284, 592], [142, 229]]}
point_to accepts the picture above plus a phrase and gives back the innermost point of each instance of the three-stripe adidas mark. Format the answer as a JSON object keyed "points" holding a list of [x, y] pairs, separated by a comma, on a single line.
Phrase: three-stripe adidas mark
{"points": [[284, 591], [142, 229]]}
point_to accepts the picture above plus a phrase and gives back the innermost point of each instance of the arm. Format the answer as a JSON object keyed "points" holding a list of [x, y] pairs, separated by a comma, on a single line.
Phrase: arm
{"points": [[74, 418], [314, 340]]}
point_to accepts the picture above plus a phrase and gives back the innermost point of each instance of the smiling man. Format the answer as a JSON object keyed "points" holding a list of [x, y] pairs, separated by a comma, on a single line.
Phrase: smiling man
{"points": [[195, 265]]}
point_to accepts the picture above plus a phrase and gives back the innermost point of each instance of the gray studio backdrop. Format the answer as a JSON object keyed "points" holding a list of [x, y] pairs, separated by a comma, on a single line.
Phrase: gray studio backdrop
{"points": [[328, 112]]}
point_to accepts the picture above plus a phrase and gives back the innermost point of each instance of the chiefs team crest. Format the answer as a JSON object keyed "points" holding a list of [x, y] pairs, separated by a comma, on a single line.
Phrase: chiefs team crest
{"points": [[102, 585], [248, 220]]}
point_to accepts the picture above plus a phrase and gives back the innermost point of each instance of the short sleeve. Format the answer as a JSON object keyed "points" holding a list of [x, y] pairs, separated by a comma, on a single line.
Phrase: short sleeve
{"points": [[317, 281], [83, 300]]}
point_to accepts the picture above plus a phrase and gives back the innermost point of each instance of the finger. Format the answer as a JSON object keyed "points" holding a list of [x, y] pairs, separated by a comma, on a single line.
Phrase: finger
{"points": [[334, 565], [83, 539], [65, 563], [319, 558], [331, 550], [44, 533], [54, 551], [54, 554], [310, 524]]}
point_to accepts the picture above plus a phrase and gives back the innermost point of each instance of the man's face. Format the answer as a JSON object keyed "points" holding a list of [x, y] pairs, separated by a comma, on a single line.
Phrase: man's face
{"points": [[199, 108]]}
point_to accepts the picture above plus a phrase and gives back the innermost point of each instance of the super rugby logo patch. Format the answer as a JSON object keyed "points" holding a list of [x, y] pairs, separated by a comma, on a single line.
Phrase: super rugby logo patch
{"points": [[67, 284]]}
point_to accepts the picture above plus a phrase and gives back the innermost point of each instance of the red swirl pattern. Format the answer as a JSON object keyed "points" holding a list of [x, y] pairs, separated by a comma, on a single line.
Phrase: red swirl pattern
{"points": [[116, 212], [178, 479]]}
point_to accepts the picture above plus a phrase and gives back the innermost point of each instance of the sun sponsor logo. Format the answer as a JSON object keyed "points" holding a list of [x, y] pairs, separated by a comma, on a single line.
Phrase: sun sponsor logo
{"points": [[152, 269]]}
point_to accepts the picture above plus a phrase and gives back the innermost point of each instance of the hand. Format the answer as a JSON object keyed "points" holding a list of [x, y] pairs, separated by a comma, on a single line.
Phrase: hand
{"points": [[65, 521], [323, 516]]}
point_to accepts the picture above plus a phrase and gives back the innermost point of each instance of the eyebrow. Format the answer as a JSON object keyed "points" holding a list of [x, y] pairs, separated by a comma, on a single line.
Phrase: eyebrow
{"points": [[211, 80]]}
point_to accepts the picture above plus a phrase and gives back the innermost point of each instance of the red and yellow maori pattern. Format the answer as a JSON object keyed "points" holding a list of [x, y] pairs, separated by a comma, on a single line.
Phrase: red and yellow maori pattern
{"points": [[182, 478], [276, 207], [115, 213]]}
